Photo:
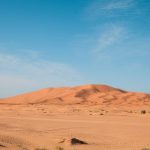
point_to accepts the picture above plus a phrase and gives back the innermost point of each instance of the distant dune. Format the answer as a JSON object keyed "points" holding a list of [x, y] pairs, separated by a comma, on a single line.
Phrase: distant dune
{"points": [[85, 94]]}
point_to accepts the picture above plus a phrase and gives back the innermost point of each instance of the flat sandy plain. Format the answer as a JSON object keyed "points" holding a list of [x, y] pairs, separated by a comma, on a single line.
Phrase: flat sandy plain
{"points": [[36, 126]]}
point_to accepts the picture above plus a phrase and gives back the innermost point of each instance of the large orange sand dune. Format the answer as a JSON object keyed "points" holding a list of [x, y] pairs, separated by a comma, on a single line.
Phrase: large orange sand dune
{"points": [[86, 94]]}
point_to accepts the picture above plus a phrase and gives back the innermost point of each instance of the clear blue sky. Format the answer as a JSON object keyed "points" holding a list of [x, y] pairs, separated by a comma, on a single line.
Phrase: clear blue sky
{"points": [[46, 43]]}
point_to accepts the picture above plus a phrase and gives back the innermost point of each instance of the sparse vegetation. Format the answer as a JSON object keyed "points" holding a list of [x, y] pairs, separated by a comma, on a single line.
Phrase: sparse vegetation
{"points": [[2, 145], [59, 148], [146, 149], [101, 114], [41, 149], [143, 111]]}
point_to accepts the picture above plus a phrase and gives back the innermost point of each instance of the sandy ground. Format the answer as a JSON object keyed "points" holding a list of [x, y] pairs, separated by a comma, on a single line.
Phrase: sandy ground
{"points": [[27, 127]]}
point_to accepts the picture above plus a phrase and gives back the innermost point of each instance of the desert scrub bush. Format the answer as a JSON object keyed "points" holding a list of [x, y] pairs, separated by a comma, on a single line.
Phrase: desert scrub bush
{"points": [[145, 148], [143, 111], [59, 148], [2, 145], [101, 114], [41, 149]]}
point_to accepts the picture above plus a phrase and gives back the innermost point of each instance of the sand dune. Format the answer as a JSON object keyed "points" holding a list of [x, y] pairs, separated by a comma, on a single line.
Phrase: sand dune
{"points": [[86, 94]]}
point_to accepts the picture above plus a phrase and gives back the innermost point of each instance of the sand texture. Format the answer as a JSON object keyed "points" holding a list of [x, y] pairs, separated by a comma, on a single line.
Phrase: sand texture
{"points": [[91, 117]]}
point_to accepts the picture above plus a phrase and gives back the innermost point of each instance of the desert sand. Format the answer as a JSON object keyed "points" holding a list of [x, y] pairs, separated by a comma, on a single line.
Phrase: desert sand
{"points": [[101, 116]]}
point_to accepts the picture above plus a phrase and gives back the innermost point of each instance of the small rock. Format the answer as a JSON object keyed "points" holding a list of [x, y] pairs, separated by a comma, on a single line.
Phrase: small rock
{"points": [[73, 141]]}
